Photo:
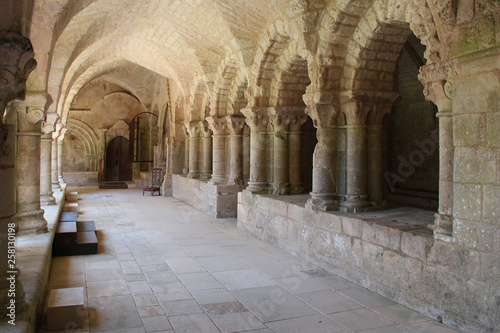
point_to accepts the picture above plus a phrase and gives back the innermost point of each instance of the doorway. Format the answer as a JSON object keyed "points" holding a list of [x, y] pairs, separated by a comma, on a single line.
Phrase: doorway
{"points": [[118, 164]]}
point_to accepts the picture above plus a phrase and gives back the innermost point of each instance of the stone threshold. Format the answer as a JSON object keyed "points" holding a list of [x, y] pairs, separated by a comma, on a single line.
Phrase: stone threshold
{"points": [[34, 259]]}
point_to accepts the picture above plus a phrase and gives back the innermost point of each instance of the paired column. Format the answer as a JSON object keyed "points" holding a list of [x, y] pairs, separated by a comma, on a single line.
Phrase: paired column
{"points": [[194, 129], [236, 126], [280, 125], [60, 143], [356, 196], [218, 125], [29, 216], [206, 139], [294, 151], [55, 171], [48, 127], [324, 187], [185, 170], [257, 120]]}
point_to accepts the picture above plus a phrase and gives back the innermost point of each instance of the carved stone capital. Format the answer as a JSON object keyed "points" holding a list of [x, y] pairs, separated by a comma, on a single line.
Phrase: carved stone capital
{"points": [[235, 124], [357, 105], [322, 107], [256, 118], [193, 128], [218, 125], [16, 63]]}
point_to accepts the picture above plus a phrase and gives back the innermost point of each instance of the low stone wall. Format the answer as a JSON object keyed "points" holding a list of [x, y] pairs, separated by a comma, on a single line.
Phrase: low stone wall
{"points": [[84, 178], [34, 259], [389, 252], [219, 201]]}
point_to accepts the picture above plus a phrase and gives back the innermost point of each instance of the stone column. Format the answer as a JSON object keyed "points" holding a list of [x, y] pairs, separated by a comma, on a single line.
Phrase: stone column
{"points": [[46, 198], [218, 126], [258, 120], [48, 127], [60, 144], [375, 154], [280, 125], [324, 187], [356, 197], [235, 126], [185, 170], [55, 154], [193, 129], [294, 148], [29, 216], [206, 135], [16, 63]]}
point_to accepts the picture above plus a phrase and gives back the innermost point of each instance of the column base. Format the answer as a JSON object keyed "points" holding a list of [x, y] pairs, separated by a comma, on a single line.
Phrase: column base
{"points": [[56, 187], [235, 181], [7, 310], [46, 199], [296, 188], [205, 175], [323, 202], [193, 175], [185, 171], [443, 227], [31, 223], [355, 204], [218, 180], [281, 188], [257, 187]]}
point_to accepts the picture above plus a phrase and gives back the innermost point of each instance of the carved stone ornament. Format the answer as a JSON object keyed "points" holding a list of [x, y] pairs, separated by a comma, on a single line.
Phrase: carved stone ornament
{"points": [[17, 62], [48, 128], [449, 90], [34, 116]]}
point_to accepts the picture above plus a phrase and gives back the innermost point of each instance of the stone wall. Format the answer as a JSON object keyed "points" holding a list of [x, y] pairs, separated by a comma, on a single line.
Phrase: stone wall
{"points": [[390, 252], [215, 200]]}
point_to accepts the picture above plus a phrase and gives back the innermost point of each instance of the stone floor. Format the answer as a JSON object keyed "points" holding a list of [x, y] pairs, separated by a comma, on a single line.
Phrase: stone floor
{"points": [[166, 267]]}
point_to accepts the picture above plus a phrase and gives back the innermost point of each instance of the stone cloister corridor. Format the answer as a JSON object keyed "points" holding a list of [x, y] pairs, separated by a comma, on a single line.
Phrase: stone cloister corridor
{"points": [[359, 138], [179, 269]]}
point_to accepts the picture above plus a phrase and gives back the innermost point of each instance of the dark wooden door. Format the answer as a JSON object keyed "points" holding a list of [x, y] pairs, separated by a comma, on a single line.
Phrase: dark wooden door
{"points": [[118, 164]]}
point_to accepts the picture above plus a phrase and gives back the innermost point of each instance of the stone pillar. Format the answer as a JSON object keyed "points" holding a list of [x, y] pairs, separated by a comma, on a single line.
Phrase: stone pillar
{"points": [[235, 126], [321, 109], [60, 144], [29, 216], [280, 125], [218, 125], [294, 149], [375, 154], [46, 198], [206, 139], [185, 170], [48, 127], [258, 120], [55, 154], [16, 63], [356, 197], [193, 129]]}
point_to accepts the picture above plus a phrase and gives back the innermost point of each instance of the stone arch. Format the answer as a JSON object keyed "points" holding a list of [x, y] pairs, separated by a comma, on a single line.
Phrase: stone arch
{"points": [[272, 44], [291, 77], [89, 139], [198, 103], [237, 98], [222, 88]]}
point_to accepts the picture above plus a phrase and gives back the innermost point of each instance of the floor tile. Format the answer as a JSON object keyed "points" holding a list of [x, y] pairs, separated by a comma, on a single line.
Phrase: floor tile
{"points": [[156, 324], [222, 263], [361, 320], [199, 323], [401, 314], [114, 312], [272, 303], [181, 308], [243, 279], [237, 322], [107, 288], [199, 281], [316, 323], [366, 297], [329, 301]]}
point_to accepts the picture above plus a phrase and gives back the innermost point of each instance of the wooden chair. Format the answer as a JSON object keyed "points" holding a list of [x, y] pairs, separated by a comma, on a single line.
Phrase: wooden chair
{"points": [[155, 182]]}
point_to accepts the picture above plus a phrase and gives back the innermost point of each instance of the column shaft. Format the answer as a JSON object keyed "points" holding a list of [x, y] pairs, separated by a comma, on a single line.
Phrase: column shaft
{"points": [[29, 215], [258, 121], [194, 152], [207, 155], [55, 172], [218, 126], [236, 126], [324, 187], [46, 197], [375, 180], [280, 155]]}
